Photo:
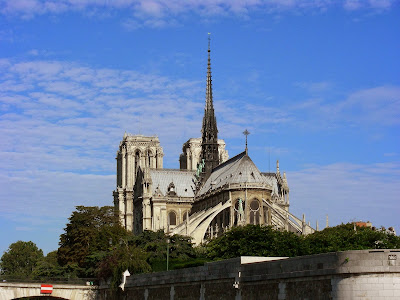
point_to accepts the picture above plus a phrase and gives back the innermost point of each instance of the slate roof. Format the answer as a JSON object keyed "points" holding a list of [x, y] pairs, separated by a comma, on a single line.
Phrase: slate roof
{"points": [[182, 179], [272, 181], [238, 169]]}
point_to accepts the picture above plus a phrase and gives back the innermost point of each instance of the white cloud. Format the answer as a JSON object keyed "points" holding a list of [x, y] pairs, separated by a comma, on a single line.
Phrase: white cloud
{"points": [[158, 12], [347, 192], [377, 106], [315, 87], [352, 4]]}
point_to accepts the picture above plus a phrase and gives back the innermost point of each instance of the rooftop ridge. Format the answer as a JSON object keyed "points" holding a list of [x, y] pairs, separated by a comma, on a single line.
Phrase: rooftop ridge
{"points": [[236, 157], [174, 170]]}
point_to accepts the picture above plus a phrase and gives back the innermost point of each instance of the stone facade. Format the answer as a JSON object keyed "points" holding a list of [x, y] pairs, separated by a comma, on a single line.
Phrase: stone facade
{"points": [[135, 151]]}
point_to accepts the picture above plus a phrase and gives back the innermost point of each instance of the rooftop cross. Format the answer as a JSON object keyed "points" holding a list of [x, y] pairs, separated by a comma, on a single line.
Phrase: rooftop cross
{"points": [[246, 133]]}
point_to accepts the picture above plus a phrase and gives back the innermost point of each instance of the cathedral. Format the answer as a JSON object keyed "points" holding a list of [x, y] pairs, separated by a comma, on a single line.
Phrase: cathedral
{"points": [[209, 194]]}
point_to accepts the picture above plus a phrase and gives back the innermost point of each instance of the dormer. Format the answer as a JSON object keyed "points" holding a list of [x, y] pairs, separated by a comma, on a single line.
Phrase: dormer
{"points": [[171, 189]]}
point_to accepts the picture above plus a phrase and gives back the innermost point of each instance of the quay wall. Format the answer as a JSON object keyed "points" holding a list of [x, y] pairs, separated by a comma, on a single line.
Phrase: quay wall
{"points": [[359, 274]]}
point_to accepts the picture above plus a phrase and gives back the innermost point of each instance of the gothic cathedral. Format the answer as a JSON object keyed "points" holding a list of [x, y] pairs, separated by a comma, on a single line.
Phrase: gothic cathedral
{"points": [[209, 194]]}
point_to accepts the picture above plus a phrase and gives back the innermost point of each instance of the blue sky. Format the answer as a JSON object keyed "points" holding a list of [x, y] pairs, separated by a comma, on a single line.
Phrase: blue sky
{"points": [[317, 83]]}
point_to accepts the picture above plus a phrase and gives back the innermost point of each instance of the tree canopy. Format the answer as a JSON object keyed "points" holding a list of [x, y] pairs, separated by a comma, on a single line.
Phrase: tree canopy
{"points": [[265, 241], [20, 259], [95, 245], [254, 240], [90, 233], [348, 237]]}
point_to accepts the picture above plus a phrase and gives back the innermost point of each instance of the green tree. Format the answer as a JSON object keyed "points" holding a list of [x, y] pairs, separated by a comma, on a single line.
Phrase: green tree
{"points": [[265, 241], [120, 258], [88, 235], [180, 249], [254, 240], [348, 237], [48, 267], [20, 259]]}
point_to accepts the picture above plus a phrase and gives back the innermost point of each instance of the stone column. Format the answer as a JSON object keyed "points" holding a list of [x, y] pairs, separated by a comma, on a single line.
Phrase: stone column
{"points": [[143, 159], [146, 214], [133, 168], [129, 210], [128, 169], [163, 218], [118, 159], [188, 159], [159, 159], [123, 171], [121, 207], [269, 217]]}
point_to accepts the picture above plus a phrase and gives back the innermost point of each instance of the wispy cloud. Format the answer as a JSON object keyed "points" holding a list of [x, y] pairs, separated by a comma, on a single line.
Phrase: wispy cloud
{"points": [[315, 87], [378, 106], [70, 117], [348, 192], [156, 13]]}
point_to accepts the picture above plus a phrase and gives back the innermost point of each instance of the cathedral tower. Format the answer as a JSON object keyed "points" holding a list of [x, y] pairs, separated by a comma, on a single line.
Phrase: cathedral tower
{"points": [[134, 151], [209, 146]]}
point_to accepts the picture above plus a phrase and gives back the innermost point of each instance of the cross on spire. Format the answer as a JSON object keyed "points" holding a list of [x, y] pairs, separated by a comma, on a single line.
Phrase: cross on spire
{"points": [[246, 133]]}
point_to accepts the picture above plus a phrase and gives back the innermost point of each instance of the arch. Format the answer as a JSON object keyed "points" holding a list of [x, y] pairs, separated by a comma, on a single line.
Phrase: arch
{"points": [[255, 211], [219, 224], [172, 218], [137, 159], [239, 212], [149, 155]]}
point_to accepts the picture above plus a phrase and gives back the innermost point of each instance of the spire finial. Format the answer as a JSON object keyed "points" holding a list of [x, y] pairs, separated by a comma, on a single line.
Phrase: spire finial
{"points": [[246, 133], [209, 41]]}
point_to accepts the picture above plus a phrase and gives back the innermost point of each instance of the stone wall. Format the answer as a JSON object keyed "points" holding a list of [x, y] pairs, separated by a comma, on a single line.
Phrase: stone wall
{"points": [[364, 274]]}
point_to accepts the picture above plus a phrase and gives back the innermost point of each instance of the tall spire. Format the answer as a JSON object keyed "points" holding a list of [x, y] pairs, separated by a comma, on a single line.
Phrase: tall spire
{"points": [[209, 98], [209, 146]]}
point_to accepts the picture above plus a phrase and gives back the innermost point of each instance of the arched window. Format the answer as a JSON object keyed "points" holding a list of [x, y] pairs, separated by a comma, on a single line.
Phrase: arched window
{"points": [[148, 158], [137, 160], [240, 216], [172, 218], [255, 212]]}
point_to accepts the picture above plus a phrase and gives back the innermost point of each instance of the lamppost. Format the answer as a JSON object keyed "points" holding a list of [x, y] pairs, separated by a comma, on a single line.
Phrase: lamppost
{"points": [[167, 252]]}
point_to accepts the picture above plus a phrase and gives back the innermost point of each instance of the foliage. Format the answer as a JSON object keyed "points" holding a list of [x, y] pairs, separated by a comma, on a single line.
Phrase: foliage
{"points": [[120, 258], [155, 244], [48, 267], [254, 240], [348, 237], [90, 231], [20, 259], [265, 241]]}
